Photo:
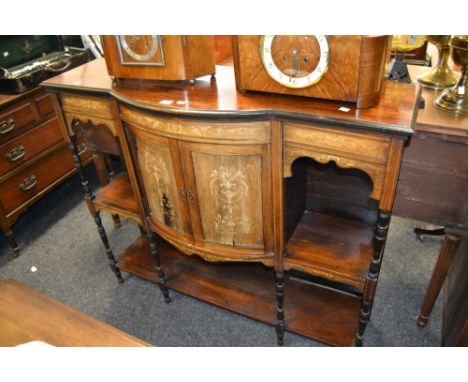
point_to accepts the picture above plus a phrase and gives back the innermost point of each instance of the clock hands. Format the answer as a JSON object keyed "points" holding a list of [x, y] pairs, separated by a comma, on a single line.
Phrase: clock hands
{"points": [[295, 63]]}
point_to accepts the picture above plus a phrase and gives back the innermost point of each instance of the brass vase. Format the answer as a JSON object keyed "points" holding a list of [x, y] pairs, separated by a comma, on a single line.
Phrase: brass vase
{"points": [[440, 76], [455, 99]]}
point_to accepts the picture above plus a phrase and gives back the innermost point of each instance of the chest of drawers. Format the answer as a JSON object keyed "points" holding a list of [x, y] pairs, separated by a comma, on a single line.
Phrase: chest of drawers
{"points": [[33, 155]]}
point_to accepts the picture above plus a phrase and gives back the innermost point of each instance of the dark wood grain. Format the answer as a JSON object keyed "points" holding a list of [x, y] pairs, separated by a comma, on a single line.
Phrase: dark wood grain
{"points": [[434, 175], [372, 70], [455, 314], [219, 98], [118, 196], [189, 147], [185, 57], [355, 71], [334, 248], [34, 141], [223, 48], [27, 314], [50, 169], [446, 254], [310, 310]]}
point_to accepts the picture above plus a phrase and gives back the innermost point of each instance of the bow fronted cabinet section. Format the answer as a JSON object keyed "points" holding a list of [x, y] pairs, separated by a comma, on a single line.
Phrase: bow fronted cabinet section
{"points": [[274, 207]]}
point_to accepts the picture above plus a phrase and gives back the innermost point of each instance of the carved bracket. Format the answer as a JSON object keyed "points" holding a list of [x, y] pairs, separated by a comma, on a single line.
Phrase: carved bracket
{"points": [[376, 172]]}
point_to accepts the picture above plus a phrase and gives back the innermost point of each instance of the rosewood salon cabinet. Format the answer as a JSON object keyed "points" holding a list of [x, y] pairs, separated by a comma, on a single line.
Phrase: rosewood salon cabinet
{"points": [[273, 207]]}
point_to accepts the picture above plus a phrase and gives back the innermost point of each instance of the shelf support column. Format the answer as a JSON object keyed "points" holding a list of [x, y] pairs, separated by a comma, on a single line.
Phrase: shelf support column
{"points": [[380, 237], [280, 321], [89, 202], [161, 276], [278, 228]]}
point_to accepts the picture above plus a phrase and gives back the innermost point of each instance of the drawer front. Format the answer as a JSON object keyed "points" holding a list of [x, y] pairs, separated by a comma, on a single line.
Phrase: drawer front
{"points": [[24, 186], [44, 105], [87, 105], [199, 131], [352, 144], [26, 146], [16, 118]]}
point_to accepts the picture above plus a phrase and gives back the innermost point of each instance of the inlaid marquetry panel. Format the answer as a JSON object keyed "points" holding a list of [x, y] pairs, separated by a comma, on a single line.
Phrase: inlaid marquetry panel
{"points": [[229, 191], [160, 185], [199, 131], [87, 105], [372, 147]]}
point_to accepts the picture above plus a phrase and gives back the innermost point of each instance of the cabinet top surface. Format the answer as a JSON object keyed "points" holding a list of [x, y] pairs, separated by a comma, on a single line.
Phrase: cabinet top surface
{"points": [[219, 99], [433, 118]]}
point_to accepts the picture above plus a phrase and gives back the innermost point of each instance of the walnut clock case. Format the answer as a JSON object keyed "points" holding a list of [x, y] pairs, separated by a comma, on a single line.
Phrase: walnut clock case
{"points": [[342, 68], [158, 57]]}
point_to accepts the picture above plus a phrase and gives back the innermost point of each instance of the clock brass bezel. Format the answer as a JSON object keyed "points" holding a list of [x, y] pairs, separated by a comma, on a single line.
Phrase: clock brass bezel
{"points": [[157, 38], [301, 82]]}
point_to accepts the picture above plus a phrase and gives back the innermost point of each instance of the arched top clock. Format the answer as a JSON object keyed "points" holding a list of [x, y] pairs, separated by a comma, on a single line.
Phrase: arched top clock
{"points": [[343, 68], [140, 50], [295, 61], [159, 57]]}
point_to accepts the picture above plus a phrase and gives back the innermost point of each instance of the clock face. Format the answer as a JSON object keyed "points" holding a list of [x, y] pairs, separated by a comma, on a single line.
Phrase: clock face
{"points": [[140, 50], [295, 61]]}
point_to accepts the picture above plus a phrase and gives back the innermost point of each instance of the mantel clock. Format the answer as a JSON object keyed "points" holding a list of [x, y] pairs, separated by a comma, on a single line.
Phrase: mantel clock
{"points": [[344, 68], [158, 57]]}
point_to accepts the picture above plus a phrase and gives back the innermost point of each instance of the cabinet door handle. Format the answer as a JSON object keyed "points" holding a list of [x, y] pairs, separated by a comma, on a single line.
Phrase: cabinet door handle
{"points": [[7, 126], [190, 195], [15, 154], [182, 193], [28, 183]]}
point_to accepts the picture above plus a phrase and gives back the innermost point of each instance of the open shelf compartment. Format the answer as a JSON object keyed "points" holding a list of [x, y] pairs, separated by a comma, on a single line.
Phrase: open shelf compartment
{"points": [[330, 222], [118, 196], [249, 289]]}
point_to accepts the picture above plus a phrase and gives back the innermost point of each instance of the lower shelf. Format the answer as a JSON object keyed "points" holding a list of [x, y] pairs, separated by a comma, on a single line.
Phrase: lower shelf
{"points": [[313, 311]]}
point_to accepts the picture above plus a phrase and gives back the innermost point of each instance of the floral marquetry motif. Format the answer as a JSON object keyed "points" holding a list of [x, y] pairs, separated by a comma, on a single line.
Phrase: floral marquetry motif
{"points": [[156, 167], [228, 186], [230, 193]]}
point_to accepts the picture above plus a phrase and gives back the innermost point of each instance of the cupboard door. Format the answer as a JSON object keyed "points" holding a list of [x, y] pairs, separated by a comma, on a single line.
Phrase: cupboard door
{"points": [[162, 178], [229, 194]]}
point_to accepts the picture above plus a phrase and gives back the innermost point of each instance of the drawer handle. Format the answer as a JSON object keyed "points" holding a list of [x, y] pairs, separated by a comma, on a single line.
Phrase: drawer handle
{"points": [[15, 154], [7, 126], [28, 183]]}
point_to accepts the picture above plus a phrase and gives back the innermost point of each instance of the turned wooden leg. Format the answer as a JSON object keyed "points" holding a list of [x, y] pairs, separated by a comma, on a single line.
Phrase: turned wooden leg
{"points": [[89, 201], [161, 277], [12, 241], [380, 237], [446, 254], [142, 230], [280, 322], [110, 256]]}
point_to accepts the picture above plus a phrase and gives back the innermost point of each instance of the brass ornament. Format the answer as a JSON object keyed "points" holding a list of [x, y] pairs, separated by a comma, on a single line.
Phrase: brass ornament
{"points": [[440, 76], [406, 43], [455, 99]]}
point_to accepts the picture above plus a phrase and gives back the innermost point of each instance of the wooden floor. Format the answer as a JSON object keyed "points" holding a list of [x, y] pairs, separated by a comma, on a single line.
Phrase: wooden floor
{"points": [[249, 289], [27, 314]]}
